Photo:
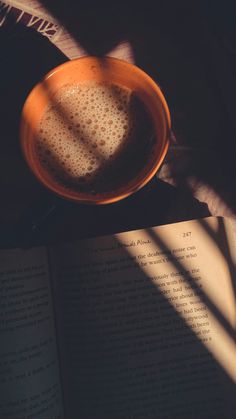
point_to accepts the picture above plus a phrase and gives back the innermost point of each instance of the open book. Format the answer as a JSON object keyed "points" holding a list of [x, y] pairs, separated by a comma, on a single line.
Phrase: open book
{"points": [[134, 325]]}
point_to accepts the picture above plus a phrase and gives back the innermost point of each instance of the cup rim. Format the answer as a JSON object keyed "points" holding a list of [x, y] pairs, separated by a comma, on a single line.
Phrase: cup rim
{"points": [[112, 196]]}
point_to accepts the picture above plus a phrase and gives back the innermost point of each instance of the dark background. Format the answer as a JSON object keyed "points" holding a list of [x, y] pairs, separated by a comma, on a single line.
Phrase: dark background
{"points": [[189, 48]]}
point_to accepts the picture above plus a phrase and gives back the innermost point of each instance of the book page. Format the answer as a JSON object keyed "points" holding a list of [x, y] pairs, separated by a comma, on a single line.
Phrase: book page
{"points": [[29, 373], [148, 323], [230, 234]]}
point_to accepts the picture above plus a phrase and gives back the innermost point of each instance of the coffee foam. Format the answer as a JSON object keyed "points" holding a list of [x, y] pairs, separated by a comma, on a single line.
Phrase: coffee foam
{"points": [[84, 129]]}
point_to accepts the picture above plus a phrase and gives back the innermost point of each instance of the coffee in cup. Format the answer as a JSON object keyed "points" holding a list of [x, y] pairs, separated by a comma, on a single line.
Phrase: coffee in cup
{"points": [[98, 134], [94, 137]]}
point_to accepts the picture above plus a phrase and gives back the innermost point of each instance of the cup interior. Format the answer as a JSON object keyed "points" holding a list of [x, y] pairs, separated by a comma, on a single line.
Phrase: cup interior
{"points": [[107, 70]]}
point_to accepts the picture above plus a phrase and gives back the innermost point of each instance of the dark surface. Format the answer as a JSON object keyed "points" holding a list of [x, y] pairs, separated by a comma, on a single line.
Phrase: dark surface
{"points": [[185, 54], [180, 46]]}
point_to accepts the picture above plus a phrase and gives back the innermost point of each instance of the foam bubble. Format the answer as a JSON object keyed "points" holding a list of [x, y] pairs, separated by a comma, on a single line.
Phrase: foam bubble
{"points": [[94, 122]]}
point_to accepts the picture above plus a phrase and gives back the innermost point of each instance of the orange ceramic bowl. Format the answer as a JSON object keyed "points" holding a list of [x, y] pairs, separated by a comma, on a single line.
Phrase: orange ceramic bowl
{"points": [[109, 70]]}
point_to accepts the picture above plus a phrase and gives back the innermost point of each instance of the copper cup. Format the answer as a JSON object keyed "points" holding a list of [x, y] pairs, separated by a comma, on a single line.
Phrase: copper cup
{"points": [[108, 70]]}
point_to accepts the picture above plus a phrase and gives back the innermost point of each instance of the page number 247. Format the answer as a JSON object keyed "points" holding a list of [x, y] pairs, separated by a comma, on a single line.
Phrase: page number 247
{"points": [[186, 234]]}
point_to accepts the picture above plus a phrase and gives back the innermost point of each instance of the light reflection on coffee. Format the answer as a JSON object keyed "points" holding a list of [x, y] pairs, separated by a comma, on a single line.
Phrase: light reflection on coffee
{"points": [[94, 136]]}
